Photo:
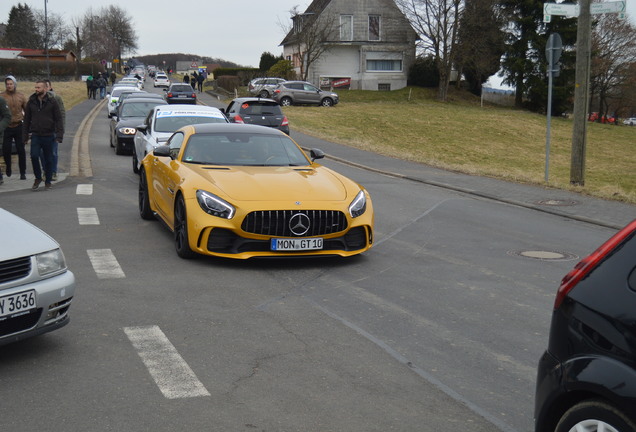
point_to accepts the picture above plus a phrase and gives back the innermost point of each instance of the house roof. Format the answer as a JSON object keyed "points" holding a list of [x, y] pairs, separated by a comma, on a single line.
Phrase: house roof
{"points": [[315, 8], [41, 53]]}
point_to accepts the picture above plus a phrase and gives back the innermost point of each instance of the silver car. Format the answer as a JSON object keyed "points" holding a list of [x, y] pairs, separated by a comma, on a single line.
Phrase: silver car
{"points": [[301, 92], [36, 288], [263, 87]]}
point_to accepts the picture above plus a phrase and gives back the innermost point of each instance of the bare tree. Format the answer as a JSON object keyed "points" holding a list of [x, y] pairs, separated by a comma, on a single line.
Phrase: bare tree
{"points": [[106, 34], [58, 32], [614, 54], [437, 23], [309, 36]]}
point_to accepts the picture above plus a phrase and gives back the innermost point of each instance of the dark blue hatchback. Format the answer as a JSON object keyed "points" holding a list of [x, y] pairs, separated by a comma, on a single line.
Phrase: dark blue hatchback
{"points": [[587, 377]]}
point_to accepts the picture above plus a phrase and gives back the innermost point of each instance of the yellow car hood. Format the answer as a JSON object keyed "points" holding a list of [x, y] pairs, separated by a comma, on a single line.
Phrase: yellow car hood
{"points": [[275, 183]]}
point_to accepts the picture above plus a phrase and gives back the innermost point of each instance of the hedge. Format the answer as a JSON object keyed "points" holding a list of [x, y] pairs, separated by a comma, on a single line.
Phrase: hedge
{"points": [[32, 70]]}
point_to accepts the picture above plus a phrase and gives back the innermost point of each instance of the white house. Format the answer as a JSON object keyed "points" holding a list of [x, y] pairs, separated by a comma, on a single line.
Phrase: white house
{"points": [[371, 44]]}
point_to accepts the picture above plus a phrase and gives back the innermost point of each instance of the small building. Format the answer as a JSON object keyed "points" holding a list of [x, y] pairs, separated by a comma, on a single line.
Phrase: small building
{"points": [[53, 55], [371, 44]]}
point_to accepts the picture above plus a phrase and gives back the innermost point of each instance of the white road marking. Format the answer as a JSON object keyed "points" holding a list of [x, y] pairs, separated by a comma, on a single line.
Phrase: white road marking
{"points": [[87, 216], [84, 189], [172, 374], [105, 264]]}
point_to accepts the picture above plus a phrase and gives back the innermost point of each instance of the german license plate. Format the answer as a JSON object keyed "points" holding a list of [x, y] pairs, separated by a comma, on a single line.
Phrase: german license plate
{"points": [[15, 303], [291, 244]]}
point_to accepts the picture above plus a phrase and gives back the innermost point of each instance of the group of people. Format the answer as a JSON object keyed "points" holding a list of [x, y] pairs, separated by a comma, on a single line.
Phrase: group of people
{"points": [[98, 83], [40, 119], [196, 81]]}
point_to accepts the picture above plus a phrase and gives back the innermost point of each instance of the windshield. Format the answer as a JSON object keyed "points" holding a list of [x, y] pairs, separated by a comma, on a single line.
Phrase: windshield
{"points": [[260, 108], [245, 149], [181, 88], [138, 109], [174, 122]]}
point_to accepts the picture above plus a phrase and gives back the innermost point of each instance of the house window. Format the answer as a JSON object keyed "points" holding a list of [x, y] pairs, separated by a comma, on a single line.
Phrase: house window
{"points": [[384, 87], [346, 27], [374, 27], [384, 65]]}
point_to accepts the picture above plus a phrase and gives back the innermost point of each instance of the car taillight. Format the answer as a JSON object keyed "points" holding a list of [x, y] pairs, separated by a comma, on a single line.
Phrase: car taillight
{"points": [[276, 91], [238, 119], [194, 95], [285, 121], [586, 265], [169, 94]]}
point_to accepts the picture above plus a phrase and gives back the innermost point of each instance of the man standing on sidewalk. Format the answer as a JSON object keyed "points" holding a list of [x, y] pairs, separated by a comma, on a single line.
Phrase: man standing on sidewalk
{"points": [[43, 120], [13, 133], [5, 118], [60, 102]]}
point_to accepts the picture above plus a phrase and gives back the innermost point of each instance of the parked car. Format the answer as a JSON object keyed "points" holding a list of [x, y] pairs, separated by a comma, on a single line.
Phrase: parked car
{"points": [[123, 125], [586, 379], [630, 121], [264, 112], [131, 79], [263, 87], [163, 121], [161, 80], [245, 191], [180, 93], [301, 92], [115, 93], [36, 287]]}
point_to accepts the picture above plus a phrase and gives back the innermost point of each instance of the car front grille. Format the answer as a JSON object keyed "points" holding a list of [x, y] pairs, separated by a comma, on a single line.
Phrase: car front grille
{"points": [[15, 269], [280, 223]]}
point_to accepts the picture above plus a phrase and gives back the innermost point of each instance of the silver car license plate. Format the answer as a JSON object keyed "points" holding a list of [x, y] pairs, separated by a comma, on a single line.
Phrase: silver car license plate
{"points": [[12, 304]]}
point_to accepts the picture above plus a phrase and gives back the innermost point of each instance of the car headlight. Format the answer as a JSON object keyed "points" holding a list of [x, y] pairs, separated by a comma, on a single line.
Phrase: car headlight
{"points": [[50, 262], [215, 206], [127, 130], [359, 205]]}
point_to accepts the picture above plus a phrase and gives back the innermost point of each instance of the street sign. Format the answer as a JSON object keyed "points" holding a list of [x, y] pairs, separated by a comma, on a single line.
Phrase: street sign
{"points": [[566, 9], [553, 48], [607, 7]]}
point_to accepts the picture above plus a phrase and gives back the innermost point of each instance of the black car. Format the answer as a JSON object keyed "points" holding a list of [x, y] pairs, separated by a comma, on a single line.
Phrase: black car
{"points": [[257, 111], [123, 124], [179, 93], [587, 377]]}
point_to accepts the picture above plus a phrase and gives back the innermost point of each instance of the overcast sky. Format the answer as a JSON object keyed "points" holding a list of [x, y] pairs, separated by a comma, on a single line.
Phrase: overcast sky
{"points": [[238, 30]]}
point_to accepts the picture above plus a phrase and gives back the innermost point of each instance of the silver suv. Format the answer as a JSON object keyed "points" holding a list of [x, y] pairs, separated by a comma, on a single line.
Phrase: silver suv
{"points": [[301, 92], [263, 87]]}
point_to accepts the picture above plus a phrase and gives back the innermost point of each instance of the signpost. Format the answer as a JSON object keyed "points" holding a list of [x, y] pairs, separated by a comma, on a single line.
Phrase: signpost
{"points": [[582, 11], [553, 51]]}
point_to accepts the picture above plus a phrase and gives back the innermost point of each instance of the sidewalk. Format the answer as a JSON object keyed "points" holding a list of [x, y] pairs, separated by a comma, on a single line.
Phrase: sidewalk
{"points": [[572, 205]]}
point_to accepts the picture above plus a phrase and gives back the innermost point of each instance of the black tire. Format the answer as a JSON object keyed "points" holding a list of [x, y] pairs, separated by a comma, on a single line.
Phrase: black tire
{"points": [[263, 94], [326, 102], [286, 101], [181, 230], [593, 413], [135, 162], [144, 199]]}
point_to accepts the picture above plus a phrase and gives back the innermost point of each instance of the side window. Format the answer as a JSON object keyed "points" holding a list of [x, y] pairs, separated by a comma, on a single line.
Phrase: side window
{"points": [[231, 108], [175, 144], [374, 27], [310, 88]]}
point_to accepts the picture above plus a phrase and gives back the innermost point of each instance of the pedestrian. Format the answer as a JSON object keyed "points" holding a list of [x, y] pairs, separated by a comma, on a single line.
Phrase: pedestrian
{"points": [[89, 85], [43, 122], [94, 88], [186, 78], [200, 80], [5, 118], [101, 84], [13, 133], [113, 78], [193, 81], [60, 102]]}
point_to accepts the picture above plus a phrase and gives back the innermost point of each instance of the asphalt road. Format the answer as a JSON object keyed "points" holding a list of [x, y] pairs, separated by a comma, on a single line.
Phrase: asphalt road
{"points": [[438, 328]]}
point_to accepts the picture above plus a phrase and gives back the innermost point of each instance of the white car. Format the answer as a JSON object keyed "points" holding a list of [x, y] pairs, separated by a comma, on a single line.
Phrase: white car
{"points": [[630, 121], [164, 120], [131, 79], [161, 80], [114, 94], [36, 288]]}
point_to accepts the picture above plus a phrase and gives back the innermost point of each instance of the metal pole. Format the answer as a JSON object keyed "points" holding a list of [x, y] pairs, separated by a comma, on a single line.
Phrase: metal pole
{"points": [[46, 42], [547, 134]]}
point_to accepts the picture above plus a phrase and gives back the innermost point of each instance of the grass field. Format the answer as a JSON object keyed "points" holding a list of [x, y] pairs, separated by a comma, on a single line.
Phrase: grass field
{"points": [[462, 136]]}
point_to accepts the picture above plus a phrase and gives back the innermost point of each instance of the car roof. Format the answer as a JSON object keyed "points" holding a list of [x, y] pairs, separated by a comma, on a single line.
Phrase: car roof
{"points": [[235, 128], [253, 99], [129, 100]]}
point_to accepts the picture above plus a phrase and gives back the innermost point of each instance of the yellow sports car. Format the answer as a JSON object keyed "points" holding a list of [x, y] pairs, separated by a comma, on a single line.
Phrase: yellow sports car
{"points": [[243, 191]]}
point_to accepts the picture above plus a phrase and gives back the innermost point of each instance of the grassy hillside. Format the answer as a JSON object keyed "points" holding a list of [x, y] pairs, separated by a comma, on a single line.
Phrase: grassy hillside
{"points": [[460, 135]]}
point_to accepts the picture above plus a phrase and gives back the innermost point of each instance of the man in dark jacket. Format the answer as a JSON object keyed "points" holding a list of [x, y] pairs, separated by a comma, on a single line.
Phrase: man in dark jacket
{"points": [[43, 120]]}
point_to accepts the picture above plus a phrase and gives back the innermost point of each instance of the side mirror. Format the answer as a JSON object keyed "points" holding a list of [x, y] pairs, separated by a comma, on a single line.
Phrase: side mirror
{"points": [[143, 128], [316, 154], [162, 151]]}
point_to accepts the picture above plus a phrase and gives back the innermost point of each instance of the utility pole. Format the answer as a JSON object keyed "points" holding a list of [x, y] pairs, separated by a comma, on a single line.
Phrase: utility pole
{"points": [[46, 42], [581, 94]]}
